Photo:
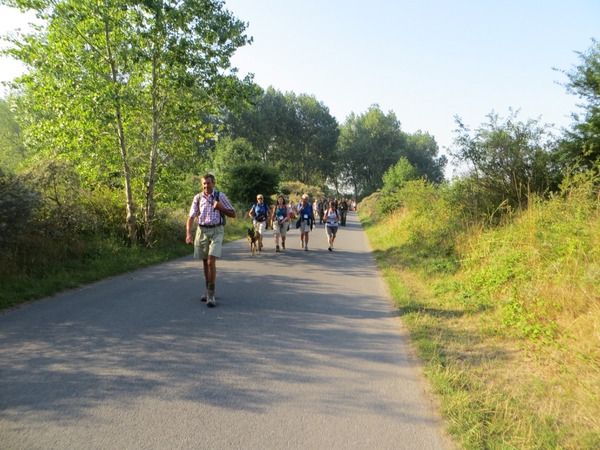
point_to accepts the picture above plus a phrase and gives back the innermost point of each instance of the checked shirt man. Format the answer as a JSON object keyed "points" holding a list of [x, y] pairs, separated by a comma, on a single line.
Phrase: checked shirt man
{"points": [[206, 211]]}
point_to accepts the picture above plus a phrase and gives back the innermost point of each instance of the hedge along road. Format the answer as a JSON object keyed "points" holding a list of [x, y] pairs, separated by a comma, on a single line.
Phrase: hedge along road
{"points": [[303, 351]]}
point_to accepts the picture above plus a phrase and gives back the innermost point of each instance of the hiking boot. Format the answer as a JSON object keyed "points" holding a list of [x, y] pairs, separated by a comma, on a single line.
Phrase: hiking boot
{"points": [[204, 297], [283, 245], [211, 302], [330, 249], [277, 248]]}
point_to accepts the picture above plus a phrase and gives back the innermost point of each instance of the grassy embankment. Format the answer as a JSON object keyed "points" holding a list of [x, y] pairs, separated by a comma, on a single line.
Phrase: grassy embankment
{"points": [[506, 319], [48, 267]]}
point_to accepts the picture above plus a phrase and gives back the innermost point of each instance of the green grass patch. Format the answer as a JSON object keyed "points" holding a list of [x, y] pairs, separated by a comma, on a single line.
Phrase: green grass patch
{"points": [[86, 261], [504, 322]]}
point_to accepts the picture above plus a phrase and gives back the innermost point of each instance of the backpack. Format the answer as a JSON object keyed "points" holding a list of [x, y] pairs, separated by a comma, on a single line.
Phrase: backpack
{"points": [[263, 214], [216, 195]]}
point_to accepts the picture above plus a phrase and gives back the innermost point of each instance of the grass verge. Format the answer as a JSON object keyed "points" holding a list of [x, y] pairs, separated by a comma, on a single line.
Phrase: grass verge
{"points": [[102, 257], [497, 390]]}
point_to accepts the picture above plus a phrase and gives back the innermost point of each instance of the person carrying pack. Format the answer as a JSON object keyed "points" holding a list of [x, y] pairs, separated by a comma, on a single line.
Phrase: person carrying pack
{"points": [[280, 222], [208, 210], [260, 214], [306, 218], [331, 218]]}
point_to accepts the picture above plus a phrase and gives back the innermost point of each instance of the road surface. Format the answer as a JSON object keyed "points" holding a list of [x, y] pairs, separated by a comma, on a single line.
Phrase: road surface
{"points": [[303, 351]]}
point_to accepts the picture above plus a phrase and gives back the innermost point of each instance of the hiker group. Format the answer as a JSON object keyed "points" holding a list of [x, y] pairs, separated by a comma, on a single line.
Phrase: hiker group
{"points": [[330, 213], [210, 208]]}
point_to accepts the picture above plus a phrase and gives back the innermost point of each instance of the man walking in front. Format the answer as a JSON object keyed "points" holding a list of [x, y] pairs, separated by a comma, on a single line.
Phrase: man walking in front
{"points": [[208, 210]]}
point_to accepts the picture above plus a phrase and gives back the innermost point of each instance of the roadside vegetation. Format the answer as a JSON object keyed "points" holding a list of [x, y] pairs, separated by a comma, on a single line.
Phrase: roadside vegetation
{"points": [[124, 107], [503, 311]]}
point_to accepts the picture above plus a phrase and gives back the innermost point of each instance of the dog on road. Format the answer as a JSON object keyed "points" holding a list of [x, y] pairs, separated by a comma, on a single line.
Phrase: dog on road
{"points": [[253, 239]]}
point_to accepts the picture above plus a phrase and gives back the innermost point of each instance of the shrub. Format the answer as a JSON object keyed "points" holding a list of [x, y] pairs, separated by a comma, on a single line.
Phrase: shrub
{"points": [[18, 204]]}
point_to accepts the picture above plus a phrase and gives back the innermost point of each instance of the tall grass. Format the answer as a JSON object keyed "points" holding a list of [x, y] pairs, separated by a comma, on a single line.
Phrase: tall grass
{"points": [[506, 317], [41, 266]]}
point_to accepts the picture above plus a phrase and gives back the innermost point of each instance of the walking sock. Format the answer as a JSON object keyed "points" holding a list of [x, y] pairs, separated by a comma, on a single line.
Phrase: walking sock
{"points": [[210, 286]]}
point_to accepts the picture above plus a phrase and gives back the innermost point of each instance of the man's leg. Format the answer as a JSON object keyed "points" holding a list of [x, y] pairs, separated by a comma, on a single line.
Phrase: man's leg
{"points": [[210, 271]]}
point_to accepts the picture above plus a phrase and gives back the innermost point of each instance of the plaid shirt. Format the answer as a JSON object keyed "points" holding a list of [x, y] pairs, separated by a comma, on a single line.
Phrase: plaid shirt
{"points": [[203, 209]]}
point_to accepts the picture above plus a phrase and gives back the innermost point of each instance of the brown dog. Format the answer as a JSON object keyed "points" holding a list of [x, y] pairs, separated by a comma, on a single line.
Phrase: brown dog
{"points": [[253, 239]]}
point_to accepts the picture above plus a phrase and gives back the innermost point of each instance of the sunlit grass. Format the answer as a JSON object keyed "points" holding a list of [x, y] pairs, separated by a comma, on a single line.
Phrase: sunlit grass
{"points": [[51, 267], [508, 324]]}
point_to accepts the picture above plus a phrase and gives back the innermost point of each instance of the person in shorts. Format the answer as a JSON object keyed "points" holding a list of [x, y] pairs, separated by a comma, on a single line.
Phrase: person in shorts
{"points": [[260, 214], [331, 217], [207, 211], [280, 221], [306, 217]]}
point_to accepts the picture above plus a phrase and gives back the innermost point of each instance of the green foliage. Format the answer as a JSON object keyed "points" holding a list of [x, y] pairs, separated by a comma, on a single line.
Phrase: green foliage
{"points": [[123, 89], [12, 150], [393, 181], [243, 182], [229, 152], [522, 267], [506, 321], [311, 154], [581, 144], [422, 153], [294, 190], [508, 160], [295, 133], [18, 204], [369, 145]]}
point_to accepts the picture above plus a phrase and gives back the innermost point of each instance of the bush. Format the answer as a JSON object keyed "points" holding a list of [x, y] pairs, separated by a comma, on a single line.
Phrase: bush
{"points": [[18, 204], [295, 190]]}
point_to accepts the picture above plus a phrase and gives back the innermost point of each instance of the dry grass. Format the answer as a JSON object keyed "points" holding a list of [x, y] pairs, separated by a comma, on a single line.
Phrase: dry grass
{"points": [[511, 337]]}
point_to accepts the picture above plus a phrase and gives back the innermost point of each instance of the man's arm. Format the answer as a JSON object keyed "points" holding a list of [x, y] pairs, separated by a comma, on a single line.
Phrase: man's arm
{"points": [[228, 212], [188, 230]]}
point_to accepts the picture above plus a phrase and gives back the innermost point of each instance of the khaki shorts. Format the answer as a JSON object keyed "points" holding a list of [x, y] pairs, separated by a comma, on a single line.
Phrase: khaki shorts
{"points": [[305, 226], [280, 229], [208, 242], [260, 227]]}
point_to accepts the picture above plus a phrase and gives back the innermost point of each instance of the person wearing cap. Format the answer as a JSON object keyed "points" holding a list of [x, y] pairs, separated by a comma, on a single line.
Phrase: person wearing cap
{"points": [[207, 211], [260, 214], [306, 217]]}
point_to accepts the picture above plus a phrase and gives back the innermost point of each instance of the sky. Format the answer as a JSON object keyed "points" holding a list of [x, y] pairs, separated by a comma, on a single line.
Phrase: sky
{"points": [[426, 60]]}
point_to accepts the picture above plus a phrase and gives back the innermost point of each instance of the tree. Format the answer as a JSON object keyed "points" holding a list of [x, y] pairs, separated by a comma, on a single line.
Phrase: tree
{"points": [[121, 85], [243, 182], [393, 182], [368, 145], [12, 150], [421, 152], [312, 134], [295, 133], [263, 123], [581, 144], [507, 159], [229, 152]]}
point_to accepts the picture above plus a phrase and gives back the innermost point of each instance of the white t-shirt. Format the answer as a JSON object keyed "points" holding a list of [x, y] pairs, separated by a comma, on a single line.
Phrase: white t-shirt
{"points": [[331, 218]]}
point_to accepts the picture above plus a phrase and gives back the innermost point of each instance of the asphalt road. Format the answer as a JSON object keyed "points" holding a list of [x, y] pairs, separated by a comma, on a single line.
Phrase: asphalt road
{"points": [[303, 351]]}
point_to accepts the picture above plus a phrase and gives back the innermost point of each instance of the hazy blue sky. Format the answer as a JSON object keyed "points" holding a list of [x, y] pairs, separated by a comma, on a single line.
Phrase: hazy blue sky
{"points": [[426, 60]]}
